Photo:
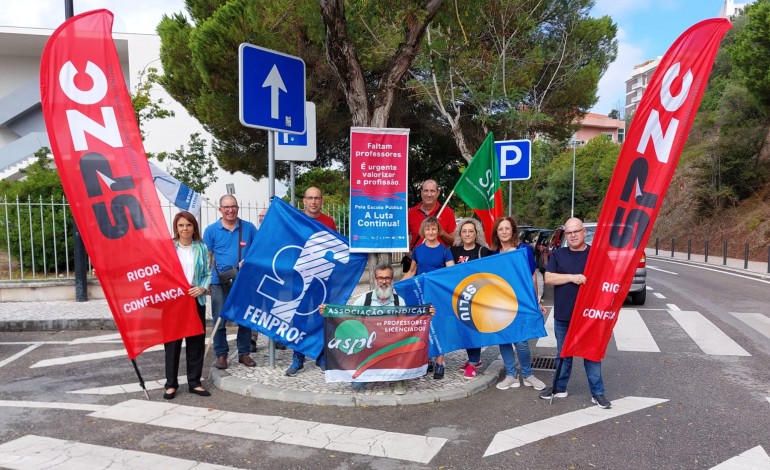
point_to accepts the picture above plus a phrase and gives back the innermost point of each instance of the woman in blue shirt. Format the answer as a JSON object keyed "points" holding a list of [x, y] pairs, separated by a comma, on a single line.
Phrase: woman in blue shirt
{"points": [[427, 257], [505, 237]]}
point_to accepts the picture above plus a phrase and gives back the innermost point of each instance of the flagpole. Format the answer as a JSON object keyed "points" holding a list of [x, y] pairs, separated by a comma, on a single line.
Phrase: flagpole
{"points": [[445, 203], [141, 380]]}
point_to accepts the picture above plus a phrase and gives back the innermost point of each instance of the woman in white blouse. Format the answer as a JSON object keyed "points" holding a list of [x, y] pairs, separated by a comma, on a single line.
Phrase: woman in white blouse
{"points": [[193, 255]]}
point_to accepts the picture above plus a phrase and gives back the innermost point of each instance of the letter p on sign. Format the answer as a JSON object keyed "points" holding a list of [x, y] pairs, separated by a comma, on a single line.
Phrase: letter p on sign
{"points": [[515, 159]]}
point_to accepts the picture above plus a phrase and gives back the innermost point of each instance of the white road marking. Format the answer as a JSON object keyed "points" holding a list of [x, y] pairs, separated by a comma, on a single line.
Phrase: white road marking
{"points": [[729, 273], [550, 340], [632, 334], [655, 268], [753, 459], [706, 335], [757, 321], [20, 354], [127, 388], [332, 437], [533, 432], [648, 287], [659, 295], [34, 452], [97, 339], [100, 355], [51, 405], [673, 307]]}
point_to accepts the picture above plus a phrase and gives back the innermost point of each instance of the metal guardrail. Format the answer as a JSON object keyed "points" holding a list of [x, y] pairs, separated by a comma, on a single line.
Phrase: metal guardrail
{"points": [[724, 252], [36, 236]]}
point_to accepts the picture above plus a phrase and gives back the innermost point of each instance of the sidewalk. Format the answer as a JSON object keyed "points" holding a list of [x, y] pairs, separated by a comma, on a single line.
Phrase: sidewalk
{"points": [[309, 386], [733, 264]]}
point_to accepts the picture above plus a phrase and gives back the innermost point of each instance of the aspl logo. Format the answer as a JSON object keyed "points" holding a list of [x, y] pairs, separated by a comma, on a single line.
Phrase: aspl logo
{"points": [[300, 274], [485, 302], [351, 337]]}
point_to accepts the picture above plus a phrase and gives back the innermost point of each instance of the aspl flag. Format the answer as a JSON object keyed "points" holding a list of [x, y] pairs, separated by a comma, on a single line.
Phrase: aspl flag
{"points": [[638, 186], [104, 173], [479, 186], [375, 344], [290, 271], [485, 302], [177, 193]]}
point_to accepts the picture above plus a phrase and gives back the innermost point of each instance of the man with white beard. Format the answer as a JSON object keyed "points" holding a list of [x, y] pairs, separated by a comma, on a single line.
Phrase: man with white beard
{"points": [[382, 296]]}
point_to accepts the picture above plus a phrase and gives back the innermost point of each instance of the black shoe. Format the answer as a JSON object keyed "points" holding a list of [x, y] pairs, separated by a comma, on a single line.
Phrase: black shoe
{"points": [[280, 346], [169, 396], [203, 393], [438, 371], [430, 367], [601, 401], [253, 346]]}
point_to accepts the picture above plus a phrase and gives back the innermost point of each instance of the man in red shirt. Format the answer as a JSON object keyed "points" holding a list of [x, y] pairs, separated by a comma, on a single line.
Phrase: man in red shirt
{"points": [[429, 207], [314, 201]]}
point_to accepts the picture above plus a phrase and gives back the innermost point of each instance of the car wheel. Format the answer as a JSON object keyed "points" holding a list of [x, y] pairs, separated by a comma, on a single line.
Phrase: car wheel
{"points": [[638, 298]]}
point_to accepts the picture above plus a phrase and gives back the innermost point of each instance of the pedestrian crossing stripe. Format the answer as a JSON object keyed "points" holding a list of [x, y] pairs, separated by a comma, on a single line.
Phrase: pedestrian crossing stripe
{"points": [[631, 332], [372, 442], [533, 432], [58, 361], [34, 452], [127, 388], [753, 459], [706, 335], [757, 321]]}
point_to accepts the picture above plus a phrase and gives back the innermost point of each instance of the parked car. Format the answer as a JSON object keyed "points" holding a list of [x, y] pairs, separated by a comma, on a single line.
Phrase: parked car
{"points": [[638, 290], [541, 242], [553, 242], [529, 235]]}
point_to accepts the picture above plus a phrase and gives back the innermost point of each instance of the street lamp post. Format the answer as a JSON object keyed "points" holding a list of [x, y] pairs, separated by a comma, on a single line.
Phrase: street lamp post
{"points": [[572, 207]]}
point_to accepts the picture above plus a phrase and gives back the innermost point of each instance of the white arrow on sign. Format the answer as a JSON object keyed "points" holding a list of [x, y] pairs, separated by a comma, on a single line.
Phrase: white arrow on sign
{"points": [[275, 83]]}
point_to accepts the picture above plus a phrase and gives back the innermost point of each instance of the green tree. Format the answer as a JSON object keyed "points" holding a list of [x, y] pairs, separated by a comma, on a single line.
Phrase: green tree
{"points": [[514, 68], [41, 206], [750, 52], [192, 167], [145, 107]]}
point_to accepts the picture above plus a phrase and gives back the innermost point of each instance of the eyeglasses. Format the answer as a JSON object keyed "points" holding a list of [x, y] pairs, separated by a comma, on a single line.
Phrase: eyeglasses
{"points": [[574, 232], [383, 278], [313, 198], [469, 231], [229, 208]]}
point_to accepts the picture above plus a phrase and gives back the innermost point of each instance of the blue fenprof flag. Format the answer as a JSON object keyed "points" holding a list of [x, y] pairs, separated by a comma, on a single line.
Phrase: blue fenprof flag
{"points": [[484, 302], [294, 265]]}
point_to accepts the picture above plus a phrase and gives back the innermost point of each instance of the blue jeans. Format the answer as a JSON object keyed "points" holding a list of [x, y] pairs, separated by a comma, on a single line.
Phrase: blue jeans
{"points": [[242, 341], [525, 358], [474, 355], [299, 358], [593, 369]]}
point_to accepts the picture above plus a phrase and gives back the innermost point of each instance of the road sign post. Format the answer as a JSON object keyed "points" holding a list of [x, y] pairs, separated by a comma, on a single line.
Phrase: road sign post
{"points": [[272, 97]]}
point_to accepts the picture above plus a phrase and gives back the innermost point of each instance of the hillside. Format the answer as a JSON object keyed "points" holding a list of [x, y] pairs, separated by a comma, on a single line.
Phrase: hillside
{"points": [[746, 222]]}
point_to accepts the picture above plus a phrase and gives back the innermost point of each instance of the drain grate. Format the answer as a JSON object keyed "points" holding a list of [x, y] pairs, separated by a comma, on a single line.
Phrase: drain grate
{"points": [[543, 363]]}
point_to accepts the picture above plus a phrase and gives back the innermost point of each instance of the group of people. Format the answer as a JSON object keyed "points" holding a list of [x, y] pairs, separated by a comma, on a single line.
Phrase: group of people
{"points": [[436, 241]]}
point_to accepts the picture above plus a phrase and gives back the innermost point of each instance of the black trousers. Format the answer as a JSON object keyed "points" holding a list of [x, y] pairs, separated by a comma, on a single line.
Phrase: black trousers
{"points": [[194, 355]]}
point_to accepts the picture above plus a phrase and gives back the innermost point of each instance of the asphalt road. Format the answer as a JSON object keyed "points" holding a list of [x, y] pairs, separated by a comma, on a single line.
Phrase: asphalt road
{"points": [[679, 408]]}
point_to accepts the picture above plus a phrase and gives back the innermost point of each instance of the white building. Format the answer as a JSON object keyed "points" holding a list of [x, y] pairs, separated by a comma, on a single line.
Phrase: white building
{"points": [[22, 129], [730, 9], [637, 83]]}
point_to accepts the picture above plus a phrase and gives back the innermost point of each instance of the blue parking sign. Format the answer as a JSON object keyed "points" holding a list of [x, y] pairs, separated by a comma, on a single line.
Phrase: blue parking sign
{"points": [[515, 159]]}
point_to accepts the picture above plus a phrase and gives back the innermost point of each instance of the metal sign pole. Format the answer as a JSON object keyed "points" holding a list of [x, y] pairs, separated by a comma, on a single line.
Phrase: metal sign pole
{"points": [[271, 195], [510, 198], [292, 184]]}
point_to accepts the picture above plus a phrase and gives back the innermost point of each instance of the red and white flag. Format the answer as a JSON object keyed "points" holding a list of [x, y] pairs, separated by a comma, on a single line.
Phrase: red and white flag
{"points": [[107, 180], [642, 175]]}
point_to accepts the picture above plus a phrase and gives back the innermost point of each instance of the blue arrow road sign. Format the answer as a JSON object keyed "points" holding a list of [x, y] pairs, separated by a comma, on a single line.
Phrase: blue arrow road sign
{"points": [[515, 158], [272, 90]]}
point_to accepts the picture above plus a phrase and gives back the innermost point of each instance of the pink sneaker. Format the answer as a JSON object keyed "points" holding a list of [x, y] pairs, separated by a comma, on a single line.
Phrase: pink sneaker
{"points": [[470, 371]]}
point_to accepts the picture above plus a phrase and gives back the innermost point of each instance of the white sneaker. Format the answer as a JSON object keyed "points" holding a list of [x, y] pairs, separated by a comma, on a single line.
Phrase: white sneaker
{"points": [[508, 382], [534, 382]]}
